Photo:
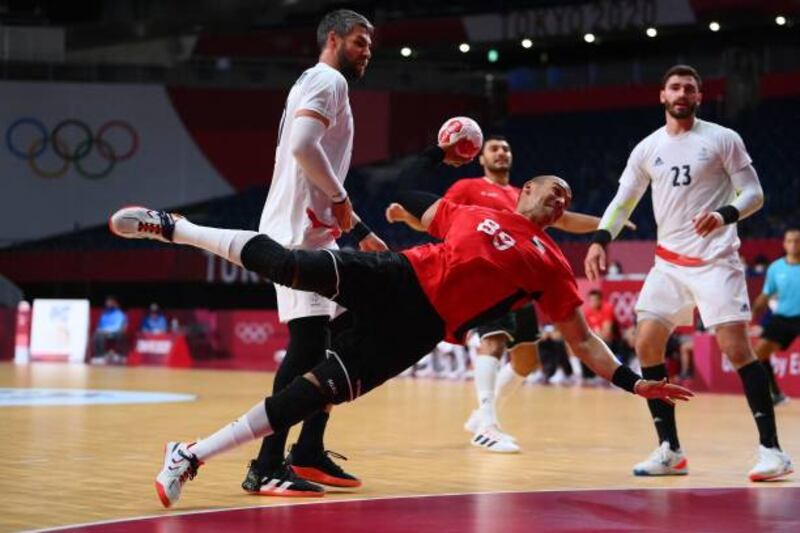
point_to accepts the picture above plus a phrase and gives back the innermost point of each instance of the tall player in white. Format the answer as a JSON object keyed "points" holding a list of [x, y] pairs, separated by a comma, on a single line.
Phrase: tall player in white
{"points": [[703, 181], [308, 208]]}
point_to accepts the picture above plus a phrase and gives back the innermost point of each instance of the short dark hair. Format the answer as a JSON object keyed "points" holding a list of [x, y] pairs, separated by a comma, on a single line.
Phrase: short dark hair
{"points": [[492, 137], [596, 292], [681, 70], [341, 22]]}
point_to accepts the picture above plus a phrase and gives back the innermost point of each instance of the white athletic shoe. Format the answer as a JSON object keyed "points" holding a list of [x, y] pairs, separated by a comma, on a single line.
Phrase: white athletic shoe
{"points": [[493, 440], [142, 223], [772, 464], [180, 464], [663, 462], [473, 425]]}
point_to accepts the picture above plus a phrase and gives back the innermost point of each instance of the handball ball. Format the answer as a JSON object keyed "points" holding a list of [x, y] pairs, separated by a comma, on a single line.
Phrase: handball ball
{"points": [[466, 133]]}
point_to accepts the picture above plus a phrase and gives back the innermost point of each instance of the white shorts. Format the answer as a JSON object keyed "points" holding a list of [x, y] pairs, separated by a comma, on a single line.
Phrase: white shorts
{"points": [[299, 304], [718, 290]]}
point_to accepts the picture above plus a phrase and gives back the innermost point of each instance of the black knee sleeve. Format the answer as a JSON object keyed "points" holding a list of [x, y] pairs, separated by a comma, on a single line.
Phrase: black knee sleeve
{"points": [[294, 404], [308, 338], [335, 380], [268, 258]]}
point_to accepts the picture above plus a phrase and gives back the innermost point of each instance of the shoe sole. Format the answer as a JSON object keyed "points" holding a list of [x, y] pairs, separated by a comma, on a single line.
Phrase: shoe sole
{"points": [[758, 477], [287, 493], [317, 476], [642, 473], [162, 493]]}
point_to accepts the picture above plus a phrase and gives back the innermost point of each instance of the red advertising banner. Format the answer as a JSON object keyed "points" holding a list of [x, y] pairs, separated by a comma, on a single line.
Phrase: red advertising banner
{"points": [[714, 373]]}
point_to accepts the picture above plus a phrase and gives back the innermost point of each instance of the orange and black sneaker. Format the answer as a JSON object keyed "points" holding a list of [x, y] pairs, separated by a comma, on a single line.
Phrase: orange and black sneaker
{"points": [[281, 481], [322, 469]]}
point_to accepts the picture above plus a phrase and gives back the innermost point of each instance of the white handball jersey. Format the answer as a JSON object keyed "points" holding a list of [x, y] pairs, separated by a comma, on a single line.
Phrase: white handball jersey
{"points": [[297, 213], [689, 173]]}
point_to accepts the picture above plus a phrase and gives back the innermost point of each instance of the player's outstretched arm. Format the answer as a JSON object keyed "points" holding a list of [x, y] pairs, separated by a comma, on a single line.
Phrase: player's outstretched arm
{"points": [[397, 213], [590, 349], [573, 222]]}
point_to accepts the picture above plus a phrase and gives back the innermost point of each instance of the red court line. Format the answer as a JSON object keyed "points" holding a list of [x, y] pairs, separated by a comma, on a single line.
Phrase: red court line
{"points": [[761, 509]]}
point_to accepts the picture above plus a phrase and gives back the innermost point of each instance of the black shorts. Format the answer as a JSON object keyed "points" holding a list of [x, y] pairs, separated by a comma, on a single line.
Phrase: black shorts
{"points": [[521, 326], [782, 330], [392, 323]]}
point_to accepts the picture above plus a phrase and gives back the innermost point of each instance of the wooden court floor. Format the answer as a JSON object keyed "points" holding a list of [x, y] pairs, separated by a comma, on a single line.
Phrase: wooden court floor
{"points": [[62, 465]]}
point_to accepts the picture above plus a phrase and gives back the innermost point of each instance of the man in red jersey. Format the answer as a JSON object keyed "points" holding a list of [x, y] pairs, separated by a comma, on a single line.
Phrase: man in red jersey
{"points": [[517, 331], [488, 262]]}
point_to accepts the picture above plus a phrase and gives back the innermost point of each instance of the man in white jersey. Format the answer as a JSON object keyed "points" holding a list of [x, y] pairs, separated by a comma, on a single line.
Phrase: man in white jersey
{"points": [[308, 208], [703, 181]]}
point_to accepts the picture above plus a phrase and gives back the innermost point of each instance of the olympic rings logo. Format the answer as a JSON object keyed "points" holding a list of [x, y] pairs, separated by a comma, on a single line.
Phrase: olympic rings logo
{"points": [[624, 305], [253, 332], [72, 142]]}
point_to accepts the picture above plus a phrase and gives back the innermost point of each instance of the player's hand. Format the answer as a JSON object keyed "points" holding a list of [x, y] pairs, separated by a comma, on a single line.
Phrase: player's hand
{"points": [[661, 390], [372, 243], [706, 222], [630, 225], [395, 213], [595, 263], [343, 213], [450, 156]]}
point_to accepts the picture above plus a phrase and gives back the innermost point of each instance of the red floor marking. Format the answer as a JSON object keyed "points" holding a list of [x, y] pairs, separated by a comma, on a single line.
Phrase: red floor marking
{"points": [[731, 510]]}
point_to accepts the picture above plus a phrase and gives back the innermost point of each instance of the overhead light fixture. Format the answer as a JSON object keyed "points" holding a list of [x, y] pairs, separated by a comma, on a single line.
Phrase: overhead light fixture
{"points": [[463, 48], [780, 20], [589, 37], [405, 51], [714, 26], [526, 43], [651, 32]]}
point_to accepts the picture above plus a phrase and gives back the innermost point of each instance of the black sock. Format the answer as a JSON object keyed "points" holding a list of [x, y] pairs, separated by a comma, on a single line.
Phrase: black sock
{"points": [[663, 414], [756, 389], [310, 443], [773, 384], [308, 338]]}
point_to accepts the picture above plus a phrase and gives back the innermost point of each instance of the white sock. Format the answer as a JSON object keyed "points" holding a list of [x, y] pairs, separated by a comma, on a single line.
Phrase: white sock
{"points": [[507, 382], [254, 424], [485, 378], [226, 243]]}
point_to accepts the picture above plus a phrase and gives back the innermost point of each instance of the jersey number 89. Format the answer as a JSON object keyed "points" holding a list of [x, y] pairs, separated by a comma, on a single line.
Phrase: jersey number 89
{"points": [[500, 239]]}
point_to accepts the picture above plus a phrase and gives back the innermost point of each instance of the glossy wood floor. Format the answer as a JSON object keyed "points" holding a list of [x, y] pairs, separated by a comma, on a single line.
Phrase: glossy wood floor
{"points": [[62, 465]]}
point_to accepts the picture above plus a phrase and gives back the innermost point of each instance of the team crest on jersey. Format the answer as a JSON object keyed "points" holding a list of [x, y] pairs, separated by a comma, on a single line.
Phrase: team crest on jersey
{"points": [[703, 155], [658, 162]]}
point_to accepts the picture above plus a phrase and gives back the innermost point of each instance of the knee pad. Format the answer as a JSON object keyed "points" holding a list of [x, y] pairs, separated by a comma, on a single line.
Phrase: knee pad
{"points": [[335, 380], [299, 400], [268, 258]]}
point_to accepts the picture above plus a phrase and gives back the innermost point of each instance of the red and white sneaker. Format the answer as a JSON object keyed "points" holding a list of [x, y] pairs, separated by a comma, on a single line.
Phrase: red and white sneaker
{"points": [[137, 222], [180, 465], [772, 464], [663, 462]]}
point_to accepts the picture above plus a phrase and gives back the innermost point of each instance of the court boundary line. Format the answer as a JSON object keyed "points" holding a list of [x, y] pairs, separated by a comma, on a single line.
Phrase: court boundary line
{"points": [[380, 498]]}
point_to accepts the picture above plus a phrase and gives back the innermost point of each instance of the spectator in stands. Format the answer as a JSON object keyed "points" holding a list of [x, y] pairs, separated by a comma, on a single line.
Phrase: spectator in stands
{"points": [[154, 321], [600, 318], [109, 336]]}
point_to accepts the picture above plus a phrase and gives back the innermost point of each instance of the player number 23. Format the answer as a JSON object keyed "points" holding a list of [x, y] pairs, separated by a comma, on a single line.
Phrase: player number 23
{"points": [[681, 175], [500, 239]]}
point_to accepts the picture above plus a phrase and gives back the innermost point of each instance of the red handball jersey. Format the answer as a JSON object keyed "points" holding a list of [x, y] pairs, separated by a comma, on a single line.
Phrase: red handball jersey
{"points": [[489, 263], [482, 192]]}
